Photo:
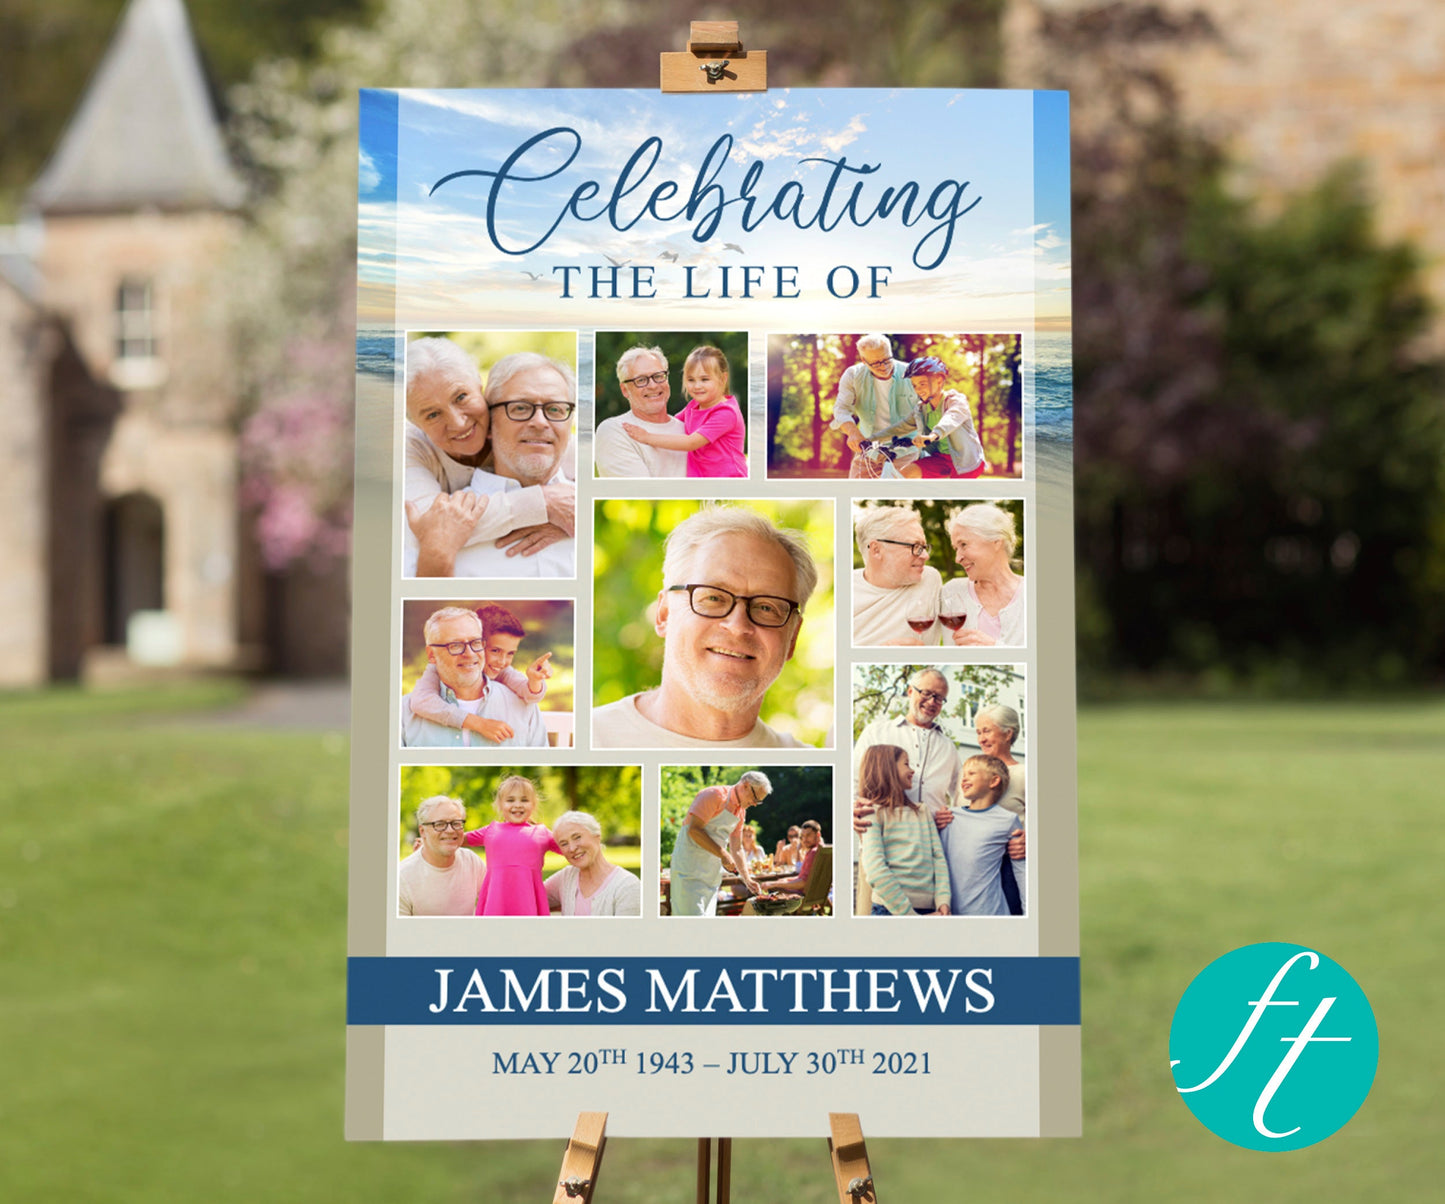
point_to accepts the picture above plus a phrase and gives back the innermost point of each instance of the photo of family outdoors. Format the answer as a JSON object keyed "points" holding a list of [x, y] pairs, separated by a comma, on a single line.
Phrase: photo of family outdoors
{"points": [[489, 476], [556, 840], [895, 407], [746, 841], [670, 404], [939, 786]]}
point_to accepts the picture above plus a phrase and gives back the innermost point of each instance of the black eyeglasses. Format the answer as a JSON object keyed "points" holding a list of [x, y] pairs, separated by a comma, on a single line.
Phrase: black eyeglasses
{"points": [[455, 646], [522, 411], [710, 602], [442, 825], [918, 549], [929, 695], [887, 359], [655, 378]]}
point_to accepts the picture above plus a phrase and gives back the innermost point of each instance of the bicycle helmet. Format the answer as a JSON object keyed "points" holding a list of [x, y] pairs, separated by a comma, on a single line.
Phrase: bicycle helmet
{"points": [[926, 365]]}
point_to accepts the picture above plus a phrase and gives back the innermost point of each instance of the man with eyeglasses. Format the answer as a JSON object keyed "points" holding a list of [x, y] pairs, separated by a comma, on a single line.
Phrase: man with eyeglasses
{"points": [[530, 403], [447, 438], [455, 645], [896, 587], [731, 604], [642, 375], [441, 878], [875, 401]]}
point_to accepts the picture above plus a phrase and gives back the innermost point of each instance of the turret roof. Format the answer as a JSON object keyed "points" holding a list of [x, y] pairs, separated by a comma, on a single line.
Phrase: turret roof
{"points": [[146, 132]]}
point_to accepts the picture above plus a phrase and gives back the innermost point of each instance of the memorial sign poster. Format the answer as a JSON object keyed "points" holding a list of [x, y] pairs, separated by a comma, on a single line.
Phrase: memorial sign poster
{"points": [[713, 662]]}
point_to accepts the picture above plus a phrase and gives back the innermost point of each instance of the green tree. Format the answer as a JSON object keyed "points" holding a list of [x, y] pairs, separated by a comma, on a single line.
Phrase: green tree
{"points": [[1260, 439], [881, 691]]}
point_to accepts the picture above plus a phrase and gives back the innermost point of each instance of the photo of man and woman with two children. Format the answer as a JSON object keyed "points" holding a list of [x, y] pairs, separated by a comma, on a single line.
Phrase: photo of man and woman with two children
{"points": [[939, 757]]}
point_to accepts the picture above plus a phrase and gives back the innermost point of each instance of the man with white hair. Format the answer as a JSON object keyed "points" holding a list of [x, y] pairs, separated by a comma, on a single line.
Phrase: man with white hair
{"points": [[710, 840], [441, 878], [530, 401], [931, 752], [875, 401], [642, 374], [733, 590], [447, 439], [896, 582], [455, 645]]}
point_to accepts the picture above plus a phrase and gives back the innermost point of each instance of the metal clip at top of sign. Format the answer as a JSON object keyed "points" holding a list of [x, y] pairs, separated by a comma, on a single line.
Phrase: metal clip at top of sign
{"points": [[714, 61]]}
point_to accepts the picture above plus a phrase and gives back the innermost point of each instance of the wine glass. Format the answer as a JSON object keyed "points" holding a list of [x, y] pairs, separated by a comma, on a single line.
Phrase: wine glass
{"points": [[953, 613], [922, 614]]}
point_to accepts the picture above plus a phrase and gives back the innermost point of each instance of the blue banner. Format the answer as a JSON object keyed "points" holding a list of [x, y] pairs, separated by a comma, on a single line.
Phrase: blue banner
{"points": [[703, 991]]}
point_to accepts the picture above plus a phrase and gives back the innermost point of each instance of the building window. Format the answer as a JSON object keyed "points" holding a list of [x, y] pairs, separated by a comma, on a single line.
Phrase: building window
{"points": [[135, 320]]}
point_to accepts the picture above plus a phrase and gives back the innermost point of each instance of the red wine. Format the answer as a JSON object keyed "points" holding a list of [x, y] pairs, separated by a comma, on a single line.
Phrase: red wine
{"points": [[953, 622], [920, 625]]}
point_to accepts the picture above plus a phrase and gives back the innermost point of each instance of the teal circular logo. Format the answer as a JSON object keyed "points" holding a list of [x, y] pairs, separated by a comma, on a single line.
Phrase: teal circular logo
{"points": [[1273, 1047]]}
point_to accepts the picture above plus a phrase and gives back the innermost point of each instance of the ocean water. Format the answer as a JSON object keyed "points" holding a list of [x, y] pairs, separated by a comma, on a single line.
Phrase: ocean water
{"points": [[1053, 381], [377, 353]]}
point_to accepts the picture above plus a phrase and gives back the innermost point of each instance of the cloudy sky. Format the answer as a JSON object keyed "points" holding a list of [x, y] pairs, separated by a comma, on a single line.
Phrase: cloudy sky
{"points": [[1002, 156]]}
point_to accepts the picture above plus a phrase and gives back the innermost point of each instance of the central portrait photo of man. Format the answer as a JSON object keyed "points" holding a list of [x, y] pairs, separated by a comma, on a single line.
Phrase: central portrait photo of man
{"points": [[713, 624]]}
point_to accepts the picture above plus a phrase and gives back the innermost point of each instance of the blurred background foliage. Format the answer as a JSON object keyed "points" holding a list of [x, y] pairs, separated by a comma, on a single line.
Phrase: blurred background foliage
{"points": [[611, 793], [803, 375], [799, 792], [1260, 439], [486, 347], [675, 344], [550, 624], [627, 653], [934, 514], [881, 691]]}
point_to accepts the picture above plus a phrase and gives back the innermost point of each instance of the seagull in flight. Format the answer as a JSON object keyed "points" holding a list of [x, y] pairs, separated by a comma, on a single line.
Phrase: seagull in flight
{"points": [[532, 275], [616, 263], [672, 255], [732, 246]]}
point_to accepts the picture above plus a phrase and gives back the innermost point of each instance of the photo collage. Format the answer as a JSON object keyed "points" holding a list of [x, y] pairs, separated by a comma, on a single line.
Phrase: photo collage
{"points": [[635, 679]]}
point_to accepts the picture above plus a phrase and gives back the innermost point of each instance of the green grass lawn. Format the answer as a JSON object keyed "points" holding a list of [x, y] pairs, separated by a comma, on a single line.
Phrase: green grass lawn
{"points": [[172, 910]]}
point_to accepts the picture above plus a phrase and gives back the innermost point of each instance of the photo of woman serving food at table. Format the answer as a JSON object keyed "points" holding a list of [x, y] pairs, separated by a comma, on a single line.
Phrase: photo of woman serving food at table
{"points": [[711, 841]]}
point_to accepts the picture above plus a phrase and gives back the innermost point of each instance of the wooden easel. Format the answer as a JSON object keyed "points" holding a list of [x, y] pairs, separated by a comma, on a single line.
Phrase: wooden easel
{"points": [[714, 61], [582, 1162]]}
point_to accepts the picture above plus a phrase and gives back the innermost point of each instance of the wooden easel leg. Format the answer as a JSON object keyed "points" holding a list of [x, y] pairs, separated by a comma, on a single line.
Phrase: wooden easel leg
{"points": [[724, 1170], [704, 1168], [850, 1159], [582, 1160]]}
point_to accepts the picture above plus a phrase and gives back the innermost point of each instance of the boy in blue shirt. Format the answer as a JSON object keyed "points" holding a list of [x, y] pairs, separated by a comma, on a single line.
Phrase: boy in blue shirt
{"points": [[975, 839]]}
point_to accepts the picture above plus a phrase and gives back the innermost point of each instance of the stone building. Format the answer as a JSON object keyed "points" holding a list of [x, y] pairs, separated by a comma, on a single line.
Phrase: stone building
{"points": [[124, 546], [1293, 88]]}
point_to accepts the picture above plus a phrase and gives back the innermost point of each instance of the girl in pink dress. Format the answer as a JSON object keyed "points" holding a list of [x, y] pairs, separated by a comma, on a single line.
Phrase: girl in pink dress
{"points": [[514, 845], [712, 419]]}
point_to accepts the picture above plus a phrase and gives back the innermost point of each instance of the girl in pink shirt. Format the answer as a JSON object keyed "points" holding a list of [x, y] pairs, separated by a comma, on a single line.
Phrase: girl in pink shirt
{"points": [[514, 844], [712, 419]]}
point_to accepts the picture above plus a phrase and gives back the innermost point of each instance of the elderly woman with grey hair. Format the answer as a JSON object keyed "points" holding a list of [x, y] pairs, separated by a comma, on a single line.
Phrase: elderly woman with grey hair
{"points": [[710, 840], [986, 606], [447, 440], [589, 885]]}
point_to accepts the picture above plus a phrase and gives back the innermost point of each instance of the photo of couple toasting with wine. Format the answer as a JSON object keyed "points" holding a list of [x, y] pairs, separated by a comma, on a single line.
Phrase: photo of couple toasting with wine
{"points": [[901, 598]]}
